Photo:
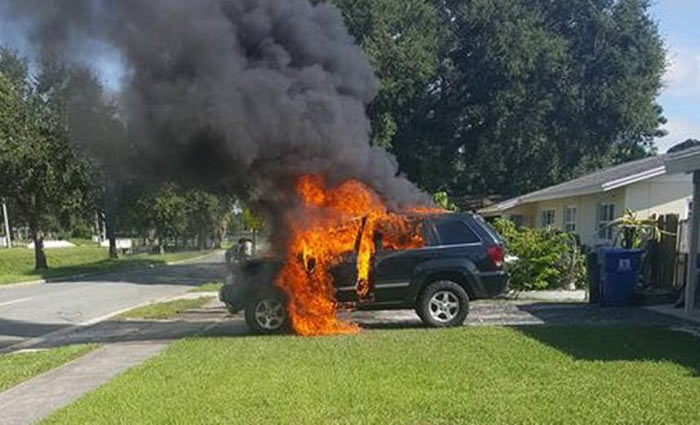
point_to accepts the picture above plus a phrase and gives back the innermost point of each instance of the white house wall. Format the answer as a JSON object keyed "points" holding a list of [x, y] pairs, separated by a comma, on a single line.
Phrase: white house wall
{"points": [[661, 195], [668, 194], [586, 212]]}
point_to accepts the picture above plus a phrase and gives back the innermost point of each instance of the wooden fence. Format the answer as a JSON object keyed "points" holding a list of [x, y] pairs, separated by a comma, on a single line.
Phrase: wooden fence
{"points": [[661, 268]]}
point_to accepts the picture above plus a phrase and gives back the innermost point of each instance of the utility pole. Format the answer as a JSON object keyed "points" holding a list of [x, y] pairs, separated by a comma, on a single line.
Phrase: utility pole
{"points": [[694, 224], [8, 238]]}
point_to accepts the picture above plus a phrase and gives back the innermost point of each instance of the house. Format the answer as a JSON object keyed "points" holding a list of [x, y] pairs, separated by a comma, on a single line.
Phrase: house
{"points": [[587, 205]]}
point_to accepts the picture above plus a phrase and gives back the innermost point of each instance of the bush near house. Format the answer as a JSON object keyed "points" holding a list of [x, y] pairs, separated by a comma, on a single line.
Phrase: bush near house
{"points": [[546, 258]]}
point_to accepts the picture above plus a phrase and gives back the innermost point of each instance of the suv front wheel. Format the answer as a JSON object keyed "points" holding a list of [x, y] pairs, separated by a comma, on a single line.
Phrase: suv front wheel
{"points": [[266, 313], [443, 304]]}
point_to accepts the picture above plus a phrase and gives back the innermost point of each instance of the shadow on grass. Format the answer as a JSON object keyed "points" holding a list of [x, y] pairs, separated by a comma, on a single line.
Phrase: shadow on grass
{"points": [[585, 313], [620, 343], [105, 265], [89, 266]]}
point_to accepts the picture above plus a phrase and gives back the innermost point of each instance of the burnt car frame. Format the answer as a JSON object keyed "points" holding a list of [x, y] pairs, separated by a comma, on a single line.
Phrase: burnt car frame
{"points": [[461, 260]]}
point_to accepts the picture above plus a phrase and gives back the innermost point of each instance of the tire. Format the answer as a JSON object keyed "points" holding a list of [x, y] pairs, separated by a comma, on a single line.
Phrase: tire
{"points": [[266, 313], [443, 304]]}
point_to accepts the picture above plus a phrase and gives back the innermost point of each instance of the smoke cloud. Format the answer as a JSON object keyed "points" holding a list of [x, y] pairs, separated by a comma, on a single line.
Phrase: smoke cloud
{"points": [[242, 93]]}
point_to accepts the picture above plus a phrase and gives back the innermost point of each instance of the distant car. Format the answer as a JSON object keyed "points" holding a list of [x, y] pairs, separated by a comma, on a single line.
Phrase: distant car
{"points": [[462, 260], [239, 253]]}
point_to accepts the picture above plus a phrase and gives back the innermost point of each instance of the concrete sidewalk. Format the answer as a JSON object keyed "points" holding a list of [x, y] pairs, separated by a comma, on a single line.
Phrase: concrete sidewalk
{"points": [[679, 313], [127, 344], [35, 399]]}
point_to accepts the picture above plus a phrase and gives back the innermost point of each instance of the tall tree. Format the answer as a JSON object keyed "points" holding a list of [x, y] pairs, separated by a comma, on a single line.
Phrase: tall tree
{"points": [[165, 211], [39, 170], [76, 96], [474, 92], [207, 214], [402, 40], [541, 90]]}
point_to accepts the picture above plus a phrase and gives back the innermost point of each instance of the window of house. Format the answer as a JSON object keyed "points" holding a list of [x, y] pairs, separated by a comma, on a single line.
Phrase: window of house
{"points": [[570, 219], [547, 218], [455, 232], [517, 219], [606, 214]]}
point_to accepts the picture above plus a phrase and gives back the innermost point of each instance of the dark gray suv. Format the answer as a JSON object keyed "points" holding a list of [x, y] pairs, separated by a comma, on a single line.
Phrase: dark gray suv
{"points": [[462, 260]]}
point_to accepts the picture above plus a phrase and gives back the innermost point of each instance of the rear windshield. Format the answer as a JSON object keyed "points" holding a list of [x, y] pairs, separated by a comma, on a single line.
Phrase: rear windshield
{"points": [[487, 227], [455, 232]]}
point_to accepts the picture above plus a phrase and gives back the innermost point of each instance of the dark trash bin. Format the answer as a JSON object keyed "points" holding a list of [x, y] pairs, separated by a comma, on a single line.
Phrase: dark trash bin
{"points": [[593, 272], [619, 273]]}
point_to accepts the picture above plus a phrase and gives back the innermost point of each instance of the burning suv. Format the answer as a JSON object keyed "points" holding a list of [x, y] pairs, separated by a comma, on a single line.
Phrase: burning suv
{"points": [[460, 259]]}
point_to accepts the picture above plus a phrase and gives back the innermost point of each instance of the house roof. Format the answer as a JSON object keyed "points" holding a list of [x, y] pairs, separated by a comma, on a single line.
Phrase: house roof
{"points": [[685, 161], [597, 182]]}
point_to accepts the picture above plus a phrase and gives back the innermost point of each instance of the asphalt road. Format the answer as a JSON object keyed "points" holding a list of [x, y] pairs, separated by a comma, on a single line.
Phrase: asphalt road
{"points": [[34, 310]]}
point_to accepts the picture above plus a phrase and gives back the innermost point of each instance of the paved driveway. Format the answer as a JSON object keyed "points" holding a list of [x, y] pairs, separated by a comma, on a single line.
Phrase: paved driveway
{"points": [[501, 313], [508, 312]]}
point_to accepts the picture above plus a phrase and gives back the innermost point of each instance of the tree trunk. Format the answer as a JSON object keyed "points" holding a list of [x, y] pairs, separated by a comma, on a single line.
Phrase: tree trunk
{"points": [[113, 252], [162, 243], [40, 262], [202, 240], [98, 228]]}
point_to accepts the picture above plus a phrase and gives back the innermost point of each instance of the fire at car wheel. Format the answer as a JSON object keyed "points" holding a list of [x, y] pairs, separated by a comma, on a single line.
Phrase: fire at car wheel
{"points": [[266, 314], [443, 304]]}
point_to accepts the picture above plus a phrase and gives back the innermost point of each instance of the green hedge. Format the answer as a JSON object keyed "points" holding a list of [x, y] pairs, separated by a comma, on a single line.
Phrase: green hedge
{"points": [[546, 258]]}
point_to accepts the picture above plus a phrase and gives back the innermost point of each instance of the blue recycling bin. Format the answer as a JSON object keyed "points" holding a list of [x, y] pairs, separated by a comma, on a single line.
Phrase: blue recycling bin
{"points": [[619, 274]]}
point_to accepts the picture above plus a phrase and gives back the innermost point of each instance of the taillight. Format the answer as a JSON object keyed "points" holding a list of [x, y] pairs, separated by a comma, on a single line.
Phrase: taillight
{"points": [[497, 254]]}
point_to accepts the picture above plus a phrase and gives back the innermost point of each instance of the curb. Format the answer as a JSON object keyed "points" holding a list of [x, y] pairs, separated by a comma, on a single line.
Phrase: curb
{"points": [[193, 259], [548, 296], [97, 273]]}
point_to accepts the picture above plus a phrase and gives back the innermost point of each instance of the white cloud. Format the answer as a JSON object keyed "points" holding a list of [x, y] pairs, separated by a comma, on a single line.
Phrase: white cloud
{"points": [[682, 79], [679, 130]]}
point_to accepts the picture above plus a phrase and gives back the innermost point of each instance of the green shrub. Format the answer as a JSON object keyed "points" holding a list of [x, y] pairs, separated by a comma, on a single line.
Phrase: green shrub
{"points": [[81, 231], [546, 258]]}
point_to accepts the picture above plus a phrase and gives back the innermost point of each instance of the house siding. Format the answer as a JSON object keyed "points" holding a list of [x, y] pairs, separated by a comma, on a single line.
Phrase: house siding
{"points": [[586, 212], [669, 194]]}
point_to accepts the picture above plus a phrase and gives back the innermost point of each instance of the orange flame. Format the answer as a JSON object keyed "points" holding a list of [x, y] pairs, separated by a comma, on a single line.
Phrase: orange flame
{"points": [[337, 220]]}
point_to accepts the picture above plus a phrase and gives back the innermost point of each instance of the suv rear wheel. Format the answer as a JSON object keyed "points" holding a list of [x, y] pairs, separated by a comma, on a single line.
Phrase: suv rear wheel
{"points": [[266, 313], [443, 304]]}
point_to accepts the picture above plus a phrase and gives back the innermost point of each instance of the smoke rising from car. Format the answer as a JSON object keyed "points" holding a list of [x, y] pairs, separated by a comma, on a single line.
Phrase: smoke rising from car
{"points": [[246, 94]]}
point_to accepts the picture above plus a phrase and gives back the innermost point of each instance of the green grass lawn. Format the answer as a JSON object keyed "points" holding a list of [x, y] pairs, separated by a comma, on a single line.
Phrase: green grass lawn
{"points": [[16, 368], [473, 375], [17, 264], [208, 287], [165, 310]]}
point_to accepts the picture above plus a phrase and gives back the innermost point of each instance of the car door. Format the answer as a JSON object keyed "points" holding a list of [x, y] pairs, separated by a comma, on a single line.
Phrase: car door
{"points": [[345, 272], [345, 278], [392, 270]]}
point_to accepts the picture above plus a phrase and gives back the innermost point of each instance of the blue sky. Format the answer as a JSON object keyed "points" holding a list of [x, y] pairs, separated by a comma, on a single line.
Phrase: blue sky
{"points": [[679, 24]]}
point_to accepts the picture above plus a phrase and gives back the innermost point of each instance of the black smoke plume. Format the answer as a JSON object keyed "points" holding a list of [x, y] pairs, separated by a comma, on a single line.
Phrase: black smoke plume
{"points": [[245, 94]]}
